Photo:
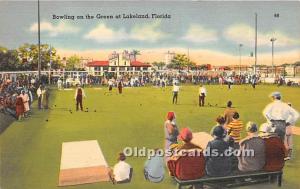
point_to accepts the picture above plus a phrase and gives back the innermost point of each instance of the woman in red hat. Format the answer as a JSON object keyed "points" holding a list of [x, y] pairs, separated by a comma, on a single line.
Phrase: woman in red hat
{"points": [[171, 130]]}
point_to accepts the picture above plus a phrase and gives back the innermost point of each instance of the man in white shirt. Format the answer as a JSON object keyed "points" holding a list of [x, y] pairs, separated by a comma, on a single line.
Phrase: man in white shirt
{"points": [[39, 93], [202, 95], [59, 84], [175, 92], [280, 114], [122, 170]]}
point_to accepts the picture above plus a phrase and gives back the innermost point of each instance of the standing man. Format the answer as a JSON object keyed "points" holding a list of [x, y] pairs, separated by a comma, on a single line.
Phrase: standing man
{"points": [[202, 95], [39, 93], [280, 114], [175, 92], [110, 85], [59, 84], [78, 97], [120, 86], [253, 81], [229, 82]]}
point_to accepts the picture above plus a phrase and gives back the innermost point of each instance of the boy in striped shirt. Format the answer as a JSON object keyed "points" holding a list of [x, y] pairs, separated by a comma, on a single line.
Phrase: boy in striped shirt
{"points": [[235, 127]]}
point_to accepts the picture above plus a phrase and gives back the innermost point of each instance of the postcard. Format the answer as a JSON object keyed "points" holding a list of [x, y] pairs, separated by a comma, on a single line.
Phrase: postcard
{"points": [[149, 94]]}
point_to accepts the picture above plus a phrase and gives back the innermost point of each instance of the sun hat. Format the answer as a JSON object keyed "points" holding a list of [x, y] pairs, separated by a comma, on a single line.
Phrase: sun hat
{"points": [[185, 134]]}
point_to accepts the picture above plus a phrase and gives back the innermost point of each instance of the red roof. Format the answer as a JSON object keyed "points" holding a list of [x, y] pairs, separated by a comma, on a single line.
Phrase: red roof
{"points": [[139, 64], [98, 63]]}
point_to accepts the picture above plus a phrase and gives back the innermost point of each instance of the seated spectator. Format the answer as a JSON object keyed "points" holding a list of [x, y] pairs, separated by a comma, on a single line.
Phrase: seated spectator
{"points": [[252, 142], [154, 168], [274, 149], [220, 122], [219, 164], [234, 128], [122, 171], [188, 163]]}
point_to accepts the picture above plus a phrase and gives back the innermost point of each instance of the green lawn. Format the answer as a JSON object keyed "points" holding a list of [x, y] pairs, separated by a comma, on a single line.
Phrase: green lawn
{"points": [[31, 149]]}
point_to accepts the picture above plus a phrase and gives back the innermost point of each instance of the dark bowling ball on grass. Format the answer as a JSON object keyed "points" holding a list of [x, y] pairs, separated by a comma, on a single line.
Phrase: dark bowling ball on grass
{"points": [[95, 110], [46, 120]]}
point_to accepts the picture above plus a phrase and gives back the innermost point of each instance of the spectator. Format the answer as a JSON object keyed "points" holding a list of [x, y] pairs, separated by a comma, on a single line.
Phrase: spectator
{"points": [[25, 99], [252, 142], [219, 165], [228, 113], [274, 149], [280, 114], [183, 165], [154, 168], [171, 130], [122, 171], [19, 107], [234, 128]]}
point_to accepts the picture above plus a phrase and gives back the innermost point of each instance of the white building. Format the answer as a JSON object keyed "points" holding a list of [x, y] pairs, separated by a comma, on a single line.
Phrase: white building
{"points": [[169, 57], [118, 63]]}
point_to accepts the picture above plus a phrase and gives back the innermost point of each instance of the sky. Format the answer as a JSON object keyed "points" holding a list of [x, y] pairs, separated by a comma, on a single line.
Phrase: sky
{"points": [[209, 31]]}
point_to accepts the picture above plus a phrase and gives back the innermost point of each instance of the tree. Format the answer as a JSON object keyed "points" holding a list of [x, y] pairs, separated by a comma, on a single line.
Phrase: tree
{"points": [[28, 54], [135, 53], [190, 65], [159, 65], [179, 62], [73, 62], [9, 60]]}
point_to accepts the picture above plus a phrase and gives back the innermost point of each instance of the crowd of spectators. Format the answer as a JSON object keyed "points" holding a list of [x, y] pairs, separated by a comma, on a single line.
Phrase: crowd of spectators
{"points": [[17, 95]]}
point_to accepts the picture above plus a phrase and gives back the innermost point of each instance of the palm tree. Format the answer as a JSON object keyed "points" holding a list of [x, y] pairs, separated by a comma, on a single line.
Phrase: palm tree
{"points": [[134, 53]]}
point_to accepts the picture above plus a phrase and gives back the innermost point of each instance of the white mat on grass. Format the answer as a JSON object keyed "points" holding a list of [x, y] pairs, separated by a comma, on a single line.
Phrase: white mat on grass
{"points": [[81, 154], [82, 162]]}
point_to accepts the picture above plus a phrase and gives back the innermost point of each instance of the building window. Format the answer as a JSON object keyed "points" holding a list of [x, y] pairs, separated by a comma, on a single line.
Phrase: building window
{"points": [[125, 63]]}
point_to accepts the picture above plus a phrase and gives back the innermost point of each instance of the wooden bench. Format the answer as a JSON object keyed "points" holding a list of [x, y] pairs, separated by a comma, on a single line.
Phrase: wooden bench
{"points": [[214, 181]]}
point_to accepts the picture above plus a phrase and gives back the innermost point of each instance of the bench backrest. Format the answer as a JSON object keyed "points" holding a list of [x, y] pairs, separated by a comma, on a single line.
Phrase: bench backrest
{"points": [[275, 152], [190, 167]]}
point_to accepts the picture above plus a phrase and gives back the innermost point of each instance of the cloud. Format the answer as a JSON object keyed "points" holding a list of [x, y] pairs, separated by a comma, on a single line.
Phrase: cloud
{"points": [[242, 33], [102, 33], [199, 34], [54, 30], [149, 32]]}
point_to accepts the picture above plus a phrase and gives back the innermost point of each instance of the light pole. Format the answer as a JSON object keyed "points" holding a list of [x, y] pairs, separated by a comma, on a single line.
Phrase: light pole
{"points": [[255, 50], [50, 63], [272, 41], [39, 43], [240, 49]]}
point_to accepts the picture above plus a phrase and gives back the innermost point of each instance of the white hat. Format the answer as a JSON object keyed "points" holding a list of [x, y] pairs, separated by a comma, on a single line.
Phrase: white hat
{"points": [[266, 128]]}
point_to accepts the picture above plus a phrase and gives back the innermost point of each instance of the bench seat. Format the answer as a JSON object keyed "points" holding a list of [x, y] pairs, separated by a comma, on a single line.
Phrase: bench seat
{"points": [[234, 176]]}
